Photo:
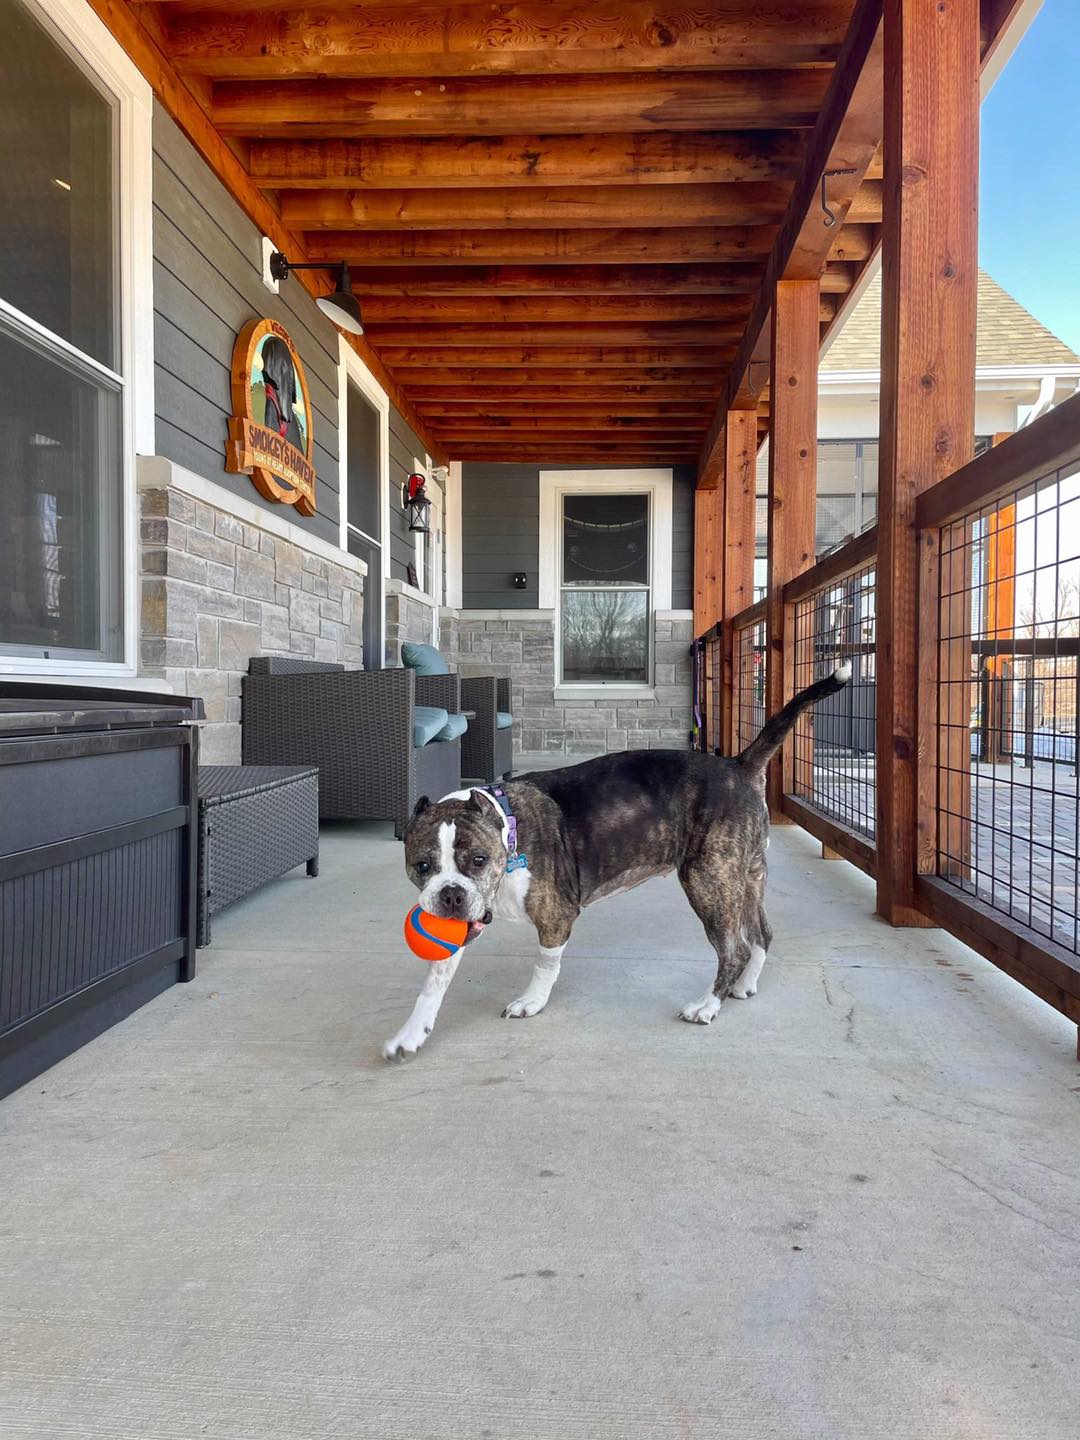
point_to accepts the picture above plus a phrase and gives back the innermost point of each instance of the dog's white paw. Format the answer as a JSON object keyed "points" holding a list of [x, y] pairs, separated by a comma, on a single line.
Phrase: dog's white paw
{"points": [[407, 1041], [744, 992], [701, 1012], [524, 1006]]}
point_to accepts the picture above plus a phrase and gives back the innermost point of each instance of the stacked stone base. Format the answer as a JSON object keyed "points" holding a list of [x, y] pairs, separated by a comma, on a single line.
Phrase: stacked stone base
{"points": [[216, 591], [521, 644]]}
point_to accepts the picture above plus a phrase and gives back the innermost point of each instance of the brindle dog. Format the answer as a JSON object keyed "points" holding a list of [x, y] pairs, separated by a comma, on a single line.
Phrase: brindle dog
{"points": [[596, 829]]}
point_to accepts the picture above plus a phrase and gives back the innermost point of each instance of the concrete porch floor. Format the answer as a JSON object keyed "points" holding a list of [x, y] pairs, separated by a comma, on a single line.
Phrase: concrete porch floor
{"points": [[850, 1208]]}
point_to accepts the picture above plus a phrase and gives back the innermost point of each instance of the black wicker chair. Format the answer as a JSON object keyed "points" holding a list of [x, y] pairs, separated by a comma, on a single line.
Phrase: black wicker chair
{"points": [[487, 751], [357, 727]]}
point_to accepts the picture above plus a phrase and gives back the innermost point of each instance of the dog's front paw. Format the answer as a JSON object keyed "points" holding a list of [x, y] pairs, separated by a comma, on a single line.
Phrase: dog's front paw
{"points": [[407, 1041], [701, 1012], [744, 992], [524, 1006]]}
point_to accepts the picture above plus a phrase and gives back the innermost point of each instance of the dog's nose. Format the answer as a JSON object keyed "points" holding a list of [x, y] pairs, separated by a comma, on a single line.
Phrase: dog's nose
{"points": [[452, 898]]}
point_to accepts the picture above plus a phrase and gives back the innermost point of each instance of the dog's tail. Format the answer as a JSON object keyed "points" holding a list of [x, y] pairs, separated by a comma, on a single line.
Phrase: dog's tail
{"points": [[774, 732]]}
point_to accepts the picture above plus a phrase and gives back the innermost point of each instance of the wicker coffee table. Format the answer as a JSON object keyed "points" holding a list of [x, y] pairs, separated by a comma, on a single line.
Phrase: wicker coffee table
{"points": [[256, 822]]}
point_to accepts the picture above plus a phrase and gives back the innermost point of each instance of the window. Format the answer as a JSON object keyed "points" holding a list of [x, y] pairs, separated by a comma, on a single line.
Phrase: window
{"points": [[605, 563], [604, 610], [365, 497], [62, 390]]}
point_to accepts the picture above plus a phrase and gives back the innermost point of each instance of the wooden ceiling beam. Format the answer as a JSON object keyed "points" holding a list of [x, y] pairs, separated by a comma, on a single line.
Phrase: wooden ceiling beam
{"points": [[562, 308], [535, 388], [542, 247], [854, 242], [540, 453], [493, 349], [493, 308], [662, 158], [530, 38], [547, 208], [635, 281], [495, 410], [523, 104]]}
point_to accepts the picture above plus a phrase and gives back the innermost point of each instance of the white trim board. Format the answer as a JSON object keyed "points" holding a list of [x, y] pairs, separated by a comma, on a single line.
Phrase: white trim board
{"points": [[158, 473]]}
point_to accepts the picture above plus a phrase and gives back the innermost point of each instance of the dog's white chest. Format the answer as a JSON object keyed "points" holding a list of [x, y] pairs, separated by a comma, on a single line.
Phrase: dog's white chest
{"points": [[509, 903]]}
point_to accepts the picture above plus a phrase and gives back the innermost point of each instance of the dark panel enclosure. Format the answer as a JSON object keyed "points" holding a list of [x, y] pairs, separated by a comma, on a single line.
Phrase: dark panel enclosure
{"points": [[97, 863]]}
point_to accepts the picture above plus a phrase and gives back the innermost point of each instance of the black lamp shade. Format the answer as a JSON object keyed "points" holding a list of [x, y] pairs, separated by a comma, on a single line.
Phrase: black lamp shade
{"points": [[342, 306]]}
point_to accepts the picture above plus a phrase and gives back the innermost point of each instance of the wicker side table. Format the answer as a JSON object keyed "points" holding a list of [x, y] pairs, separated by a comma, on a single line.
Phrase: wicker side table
{"points": [[256, 822]]}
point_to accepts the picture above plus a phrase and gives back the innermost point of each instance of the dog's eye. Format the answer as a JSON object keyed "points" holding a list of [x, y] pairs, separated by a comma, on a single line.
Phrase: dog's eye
{"points": [[479, 861], [422, 867]]}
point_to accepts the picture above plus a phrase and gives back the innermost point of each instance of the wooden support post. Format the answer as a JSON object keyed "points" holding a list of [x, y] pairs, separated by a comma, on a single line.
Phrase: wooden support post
{"points": [[739, 537], [929, 278], [708, 557], [792, 496]]}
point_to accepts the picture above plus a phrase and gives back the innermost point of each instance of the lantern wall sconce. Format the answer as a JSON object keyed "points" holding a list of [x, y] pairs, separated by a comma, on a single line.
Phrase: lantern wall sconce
{"points": [[415, 503]]}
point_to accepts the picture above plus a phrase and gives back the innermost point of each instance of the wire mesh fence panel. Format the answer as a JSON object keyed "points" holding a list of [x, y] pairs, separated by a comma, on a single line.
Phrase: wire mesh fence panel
{"points": [[835, 741], [1008, 676], [750, 663]]}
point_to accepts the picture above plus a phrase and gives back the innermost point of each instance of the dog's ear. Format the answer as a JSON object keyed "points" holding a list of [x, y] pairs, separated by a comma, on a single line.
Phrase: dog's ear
{"points": [[475, 803], [421, 805]]}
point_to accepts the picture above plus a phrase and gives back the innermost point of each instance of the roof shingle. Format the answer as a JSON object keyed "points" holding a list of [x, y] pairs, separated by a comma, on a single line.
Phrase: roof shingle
{"points": [[1007, 333]]}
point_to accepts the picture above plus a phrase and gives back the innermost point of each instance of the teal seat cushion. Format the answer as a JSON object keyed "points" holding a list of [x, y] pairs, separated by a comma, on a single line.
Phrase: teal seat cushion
{"points": [[503, 720], [428, 720], [455, 727], [424, 659]]}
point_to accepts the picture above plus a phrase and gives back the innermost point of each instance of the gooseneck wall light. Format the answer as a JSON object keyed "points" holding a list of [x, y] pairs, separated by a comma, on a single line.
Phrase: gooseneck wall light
{"points": [[342, 307]]}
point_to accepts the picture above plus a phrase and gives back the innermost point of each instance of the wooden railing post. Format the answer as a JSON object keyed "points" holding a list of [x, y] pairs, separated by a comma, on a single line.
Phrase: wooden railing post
{"points": [[929, 278], [708, 556], [792, 494], [740, 523]]}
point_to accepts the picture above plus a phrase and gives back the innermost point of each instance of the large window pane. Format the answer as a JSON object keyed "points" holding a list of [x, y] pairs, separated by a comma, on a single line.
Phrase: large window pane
{"points": [[60, 507], [56, 189], [605, 636], [605, 540]]}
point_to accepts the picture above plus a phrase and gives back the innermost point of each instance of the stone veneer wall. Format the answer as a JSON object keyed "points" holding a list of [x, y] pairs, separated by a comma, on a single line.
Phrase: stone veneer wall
{"points": [[407, 618], [216, 590], [521, 644]]}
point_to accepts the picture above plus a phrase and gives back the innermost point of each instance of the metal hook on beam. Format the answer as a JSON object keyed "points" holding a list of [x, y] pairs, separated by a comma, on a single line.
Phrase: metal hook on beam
{"points": [[830, 218]]}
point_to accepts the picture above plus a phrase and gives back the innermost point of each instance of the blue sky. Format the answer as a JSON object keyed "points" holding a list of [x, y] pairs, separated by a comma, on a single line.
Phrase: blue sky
{"points": [[1029, 208]]}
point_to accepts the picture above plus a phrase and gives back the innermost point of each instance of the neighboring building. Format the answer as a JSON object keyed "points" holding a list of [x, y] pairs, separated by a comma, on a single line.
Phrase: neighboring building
{"points": [[1022, 370]]}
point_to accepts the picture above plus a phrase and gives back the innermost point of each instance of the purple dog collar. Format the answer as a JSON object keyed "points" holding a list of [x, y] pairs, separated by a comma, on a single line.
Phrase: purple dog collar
{"points": [[499, 795]]}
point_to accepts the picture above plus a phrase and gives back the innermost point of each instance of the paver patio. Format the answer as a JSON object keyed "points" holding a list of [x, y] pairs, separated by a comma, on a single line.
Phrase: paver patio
{"points": [[849, 1209]]}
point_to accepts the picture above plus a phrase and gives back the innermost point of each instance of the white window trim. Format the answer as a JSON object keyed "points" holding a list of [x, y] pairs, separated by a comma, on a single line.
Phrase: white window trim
{"points": [[352, 369], [77, 29], [554, 484]]}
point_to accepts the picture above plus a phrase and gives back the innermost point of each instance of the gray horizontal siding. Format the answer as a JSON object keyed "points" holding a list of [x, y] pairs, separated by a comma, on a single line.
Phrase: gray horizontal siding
{"points": [[207, 286], [500, 522]]}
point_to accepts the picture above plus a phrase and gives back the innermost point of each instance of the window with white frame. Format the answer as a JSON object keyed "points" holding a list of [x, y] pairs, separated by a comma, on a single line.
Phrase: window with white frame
{"points": [[604, 605], [605, 569], [63, 388]]}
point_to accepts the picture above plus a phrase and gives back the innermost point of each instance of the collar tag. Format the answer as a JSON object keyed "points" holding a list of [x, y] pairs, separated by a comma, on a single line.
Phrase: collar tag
{"points": [[516, 862]]}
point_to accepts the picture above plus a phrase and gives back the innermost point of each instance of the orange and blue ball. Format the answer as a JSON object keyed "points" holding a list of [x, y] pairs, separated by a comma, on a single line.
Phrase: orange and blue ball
{"points": [[434, 937]]}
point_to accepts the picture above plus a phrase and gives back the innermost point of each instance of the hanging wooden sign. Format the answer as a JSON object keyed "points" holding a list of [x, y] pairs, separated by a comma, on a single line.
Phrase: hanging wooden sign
{"points": [[270, 432]]}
